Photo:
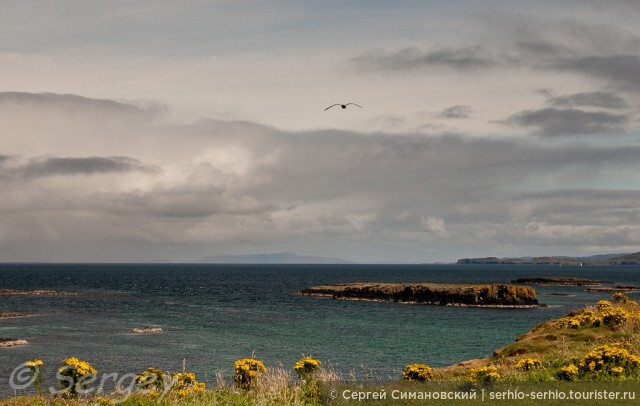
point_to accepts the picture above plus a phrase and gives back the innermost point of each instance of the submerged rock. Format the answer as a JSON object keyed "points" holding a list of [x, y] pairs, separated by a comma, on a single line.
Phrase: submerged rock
{"points": [[12, 315], [35, 292], [497, 295], [10, 342], [147, 330]]}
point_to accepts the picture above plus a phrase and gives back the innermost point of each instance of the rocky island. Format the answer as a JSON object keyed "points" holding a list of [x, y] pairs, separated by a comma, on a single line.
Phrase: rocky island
{"points": [[559, 281], [490, 295]]}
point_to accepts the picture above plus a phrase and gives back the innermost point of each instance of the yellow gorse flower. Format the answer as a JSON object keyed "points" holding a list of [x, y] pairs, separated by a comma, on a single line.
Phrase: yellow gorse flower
{"points": [[484, 374], [187, 384], [568, 373], [417, 372], [528, 364], [247, 370], [34, 363], [306, 367], [82, 367]]}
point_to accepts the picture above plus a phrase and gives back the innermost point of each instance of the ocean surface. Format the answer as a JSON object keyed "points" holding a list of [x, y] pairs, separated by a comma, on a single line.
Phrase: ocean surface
{"points": [[215, 314]]}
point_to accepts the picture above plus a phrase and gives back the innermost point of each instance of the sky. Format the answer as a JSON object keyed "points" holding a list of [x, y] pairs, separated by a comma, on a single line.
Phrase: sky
{"points": [[154, 131]]}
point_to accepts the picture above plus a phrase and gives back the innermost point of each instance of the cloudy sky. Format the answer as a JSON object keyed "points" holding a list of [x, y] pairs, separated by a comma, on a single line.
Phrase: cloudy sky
{"points": [[168, 131]]}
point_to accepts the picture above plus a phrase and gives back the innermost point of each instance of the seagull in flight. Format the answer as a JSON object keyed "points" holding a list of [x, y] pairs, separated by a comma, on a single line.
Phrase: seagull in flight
{"points": [[344, 106]]}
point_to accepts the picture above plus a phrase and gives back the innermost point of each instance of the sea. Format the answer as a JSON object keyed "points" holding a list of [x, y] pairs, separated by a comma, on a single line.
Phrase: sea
{"points": [[214, 314]]}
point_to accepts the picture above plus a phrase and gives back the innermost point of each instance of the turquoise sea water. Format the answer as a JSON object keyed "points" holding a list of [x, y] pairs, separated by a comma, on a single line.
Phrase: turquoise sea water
{"points": [[215, 314]]}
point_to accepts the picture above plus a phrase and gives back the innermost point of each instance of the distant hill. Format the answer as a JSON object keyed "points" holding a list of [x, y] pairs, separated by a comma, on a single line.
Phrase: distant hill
{"points": [[604, 259], [628, 259], [276, 258]]}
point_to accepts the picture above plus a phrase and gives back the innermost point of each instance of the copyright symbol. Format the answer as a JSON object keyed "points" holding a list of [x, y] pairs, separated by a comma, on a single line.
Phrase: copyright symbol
{"points": [[21, 377], [333, 394]]}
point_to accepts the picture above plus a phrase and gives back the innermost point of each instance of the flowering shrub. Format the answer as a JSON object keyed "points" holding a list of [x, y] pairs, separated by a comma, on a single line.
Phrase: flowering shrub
{"points": [[185, 383], [620, 298], [74, 375], [151, 380], [417, 372], [586, 318], [36, 368], [568, 373], [306, 367], [528, 364], [609, 360], [614, 316], [484, 374], [247, 370], [606, 313]]}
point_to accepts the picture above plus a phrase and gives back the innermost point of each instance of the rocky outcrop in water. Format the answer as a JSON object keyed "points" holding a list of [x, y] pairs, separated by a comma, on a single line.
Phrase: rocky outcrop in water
{"points": [[147, 330], [560, 281], [35, 292], [10, 342], [496, 295]]}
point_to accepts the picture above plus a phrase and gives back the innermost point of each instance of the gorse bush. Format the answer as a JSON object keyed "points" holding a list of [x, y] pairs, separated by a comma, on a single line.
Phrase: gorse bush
{"points": [[417, 372], [74, 375], [568, 373], [151, 380], [35, 366], [306, 367], [247, 370], [605, 313], [614, 316], [527, 364], [609, 360], [185, 383], [484, 374]]}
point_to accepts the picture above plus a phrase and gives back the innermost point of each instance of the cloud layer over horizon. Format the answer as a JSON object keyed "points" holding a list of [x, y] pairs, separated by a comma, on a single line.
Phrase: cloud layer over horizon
{"points": [[141, 136]]}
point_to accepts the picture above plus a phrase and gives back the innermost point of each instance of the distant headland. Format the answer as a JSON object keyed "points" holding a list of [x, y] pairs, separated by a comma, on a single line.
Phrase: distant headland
{"points": [[495, 295], [605, 259]]}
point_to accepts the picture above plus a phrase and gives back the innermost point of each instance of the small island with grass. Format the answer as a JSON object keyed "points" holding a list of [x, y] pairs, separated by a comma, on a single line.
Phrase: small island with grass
{"points": [[559, 281], [489, 295]]}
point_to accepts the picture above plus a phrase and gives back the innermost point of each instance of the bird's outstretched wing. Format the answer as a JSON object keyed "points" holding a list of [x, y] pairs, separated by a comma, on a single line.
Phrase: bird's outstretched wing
{"points": [[338, 104], [353, 104]]}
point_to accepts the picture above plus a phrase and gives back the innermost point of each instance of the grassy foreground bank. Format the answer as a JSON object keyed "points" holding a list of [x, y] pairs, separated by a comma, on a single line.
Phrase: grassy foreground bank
{"points": [[590, 356]]}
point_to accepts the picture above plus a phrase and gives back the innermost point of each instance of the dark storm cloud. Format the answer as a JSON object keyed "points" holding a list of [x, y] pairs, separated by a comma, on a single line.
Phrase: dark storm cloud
{"points": [[607, 100], [553, 122], [475, 57], [457, 111], [78, 166]]}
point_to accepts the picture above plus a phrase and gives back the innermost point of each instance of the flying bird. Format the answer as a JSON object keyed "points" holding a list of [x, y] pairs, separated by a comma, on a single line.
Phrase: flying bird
{"points": [[344, 106]]}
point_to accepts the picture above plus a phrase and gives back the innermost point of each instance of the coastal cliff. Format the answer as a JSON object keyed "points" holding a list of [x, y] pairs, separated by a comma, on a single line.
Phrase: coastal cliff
{"points": [[496, 295]]}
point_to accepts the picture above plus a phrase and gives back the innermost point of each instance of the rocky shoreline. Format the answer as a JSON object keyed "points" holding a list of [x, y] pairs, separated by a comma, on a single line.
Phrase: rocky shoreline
{"points": [[495, 295]]}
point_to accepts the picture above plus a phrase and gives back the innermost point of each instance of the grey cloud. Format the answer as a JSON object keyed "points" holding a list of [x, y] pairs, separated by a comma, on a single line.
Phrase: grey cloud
{"points": [[73, 104], [558, 122], [457, 111], [475, 57], [78, 166], [242, 184], [607, 100], [623, 71]]}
